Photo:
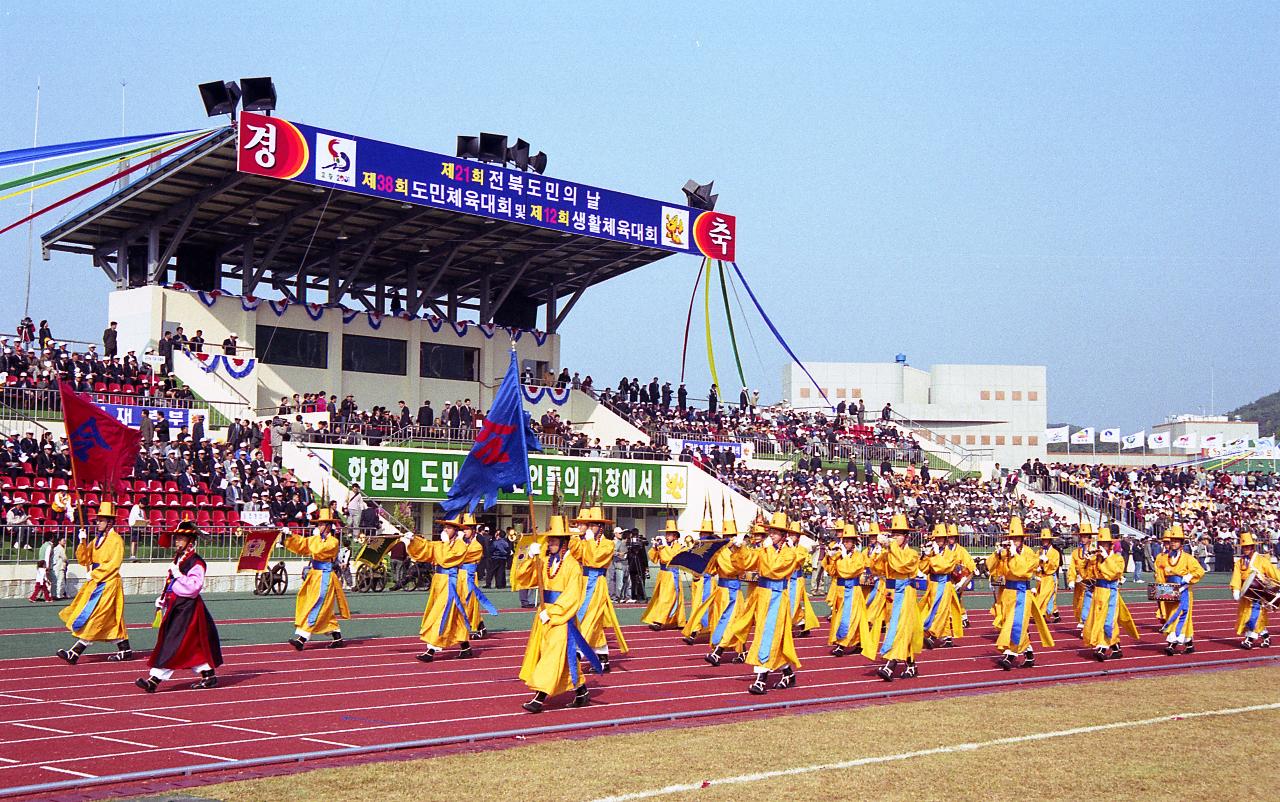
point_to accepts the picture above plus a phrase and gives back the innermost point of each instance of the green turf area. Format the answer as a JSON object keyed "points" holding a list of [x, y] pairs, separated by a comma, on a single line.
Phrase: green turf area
{"points": [[18, 614]]}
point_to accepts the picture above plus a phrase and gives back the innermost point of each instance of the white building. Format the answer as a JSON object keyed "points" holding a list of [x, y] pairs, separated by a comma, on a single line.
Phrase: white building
{"points": [[1198, 427], [998, 411]]}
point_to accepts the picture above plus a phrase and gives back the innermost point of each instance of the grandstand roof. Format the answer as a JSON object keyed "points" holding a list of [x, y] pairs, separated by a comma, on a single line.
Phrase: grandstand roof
{"points": [[328, 245]]}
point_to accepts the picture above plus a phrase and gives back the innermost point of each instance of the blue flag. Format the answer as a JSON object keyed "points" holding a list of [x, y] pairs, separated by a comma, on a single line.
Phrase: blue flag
{"points": [[499, 460]]}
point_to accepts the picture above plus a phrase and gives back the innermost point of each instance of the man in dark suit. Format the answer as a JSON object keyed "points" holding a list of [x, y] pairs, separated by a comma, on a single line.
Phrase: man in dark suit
{"points": [[426, 415], [109, 341]]}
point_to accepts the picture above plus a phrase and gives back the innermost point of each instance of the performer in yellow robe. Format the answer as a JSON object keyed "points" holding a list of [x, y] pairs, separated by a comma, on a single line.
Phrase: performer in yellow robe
{"points": [[666, 606], [1019, 611], [773, 647], [733, 629], [1109, 614], [845, 565], [321, 602], [898, 563], [552, 658], [1251, 620], [97, 611], [873, 583], [703, 593], [1046, 577], [1175, 566], [444, 621], [596, 614], [473, 598], [940, 606], [1081, 573], [1164, 609], [802, 615], [963, 560]]}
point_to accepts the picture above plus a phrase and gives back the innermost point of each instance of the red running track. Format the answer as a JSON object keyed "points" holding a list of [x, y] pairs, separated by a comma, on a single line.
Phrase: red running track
{"points": [[88, 723]]}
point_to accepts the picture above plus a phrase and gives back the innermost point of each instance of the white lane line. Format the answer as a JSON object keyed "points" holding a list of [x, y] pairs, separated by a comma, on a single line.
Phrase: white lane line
{"points": [[328, 743], [19, 698], [938, 750], [88, 707], [37, 727], [242, 729], [162, 718], [210, 757], [122, 741], [69, 771], [7, 760]]}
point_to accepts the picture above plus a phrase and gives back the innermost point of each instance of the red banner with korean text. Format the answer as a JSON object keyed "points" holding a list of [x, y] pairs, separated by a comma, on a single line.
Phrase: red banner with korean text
{"points": [[103, 449], [258, 544]]}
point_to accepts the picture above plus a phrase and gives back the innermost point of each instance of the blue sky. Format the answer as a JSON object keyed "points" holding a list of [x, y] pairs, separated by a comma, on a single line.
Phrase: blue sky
{"points": [[1093, 187]]}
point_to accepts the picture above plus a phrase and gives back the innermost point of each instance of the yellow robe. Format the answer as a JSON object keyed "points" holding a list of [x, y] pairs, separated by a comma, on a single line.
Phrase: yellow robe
{"points": [[1252, 615], [444, 621], [903, 636], [321, 602], [875, 596], [666, 606], [1017, 604], [710, 597], [1163, 609], [1047, 581], [733, 630], [551, 663], [1081, 572], [1184, 572], [97, 611], [596, 614], [802, 614], [848, 602], [467, 588], [941, 606], [1109, 614], [773, 646]]}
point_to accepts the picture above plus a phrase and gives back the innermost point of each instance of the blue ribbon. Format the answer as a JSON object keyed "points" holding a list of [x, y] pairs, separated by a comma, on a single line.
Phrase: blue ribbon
{"points": [[593, 577], [846, 608], [731, 585], [1019, 613], [473, 590], [455, 601], [577, 643], [326, 570], [777, 335], [771, 617], [708, 587], [45, 152], [1178, 621], [939, 588], [89, 607], [894, 615]]}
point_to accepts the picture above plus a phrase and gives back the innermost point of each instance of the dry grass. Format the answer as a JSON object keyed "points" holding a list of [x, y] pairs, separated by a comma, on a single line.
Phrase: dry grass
{"points": [[1189, 759]]}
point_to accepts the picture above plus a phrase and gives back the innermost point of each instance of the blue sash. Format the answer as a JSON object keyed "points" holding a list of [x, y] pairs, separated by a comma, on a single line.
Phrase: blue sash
{"points": [[731, 585], [895, 614], [325, 569], [775, 588], [939, 588], [1019, 611], [846, 609], [455, 601], [1177, 623], [89, 607], [593, 583], [473, 590], [675, 587], [708, 587], [577, 645]]}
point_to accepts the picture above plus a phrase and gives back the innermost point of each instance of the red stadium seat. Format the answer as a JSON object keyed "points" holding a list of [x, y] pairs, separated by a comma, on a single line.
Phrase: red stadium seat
{"points": [[202, 500], [219, 517], [171, 500], [99, 387], [170, 486], [37, 497], [157, 499], [157, 517], [22, 482], [171, 519]]}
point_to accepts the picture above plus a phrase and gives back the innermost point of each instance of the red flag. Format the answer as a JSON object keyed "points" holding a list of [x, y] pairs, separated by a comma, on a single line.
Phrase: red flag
{"points": [[258, 544], [103, 449]]}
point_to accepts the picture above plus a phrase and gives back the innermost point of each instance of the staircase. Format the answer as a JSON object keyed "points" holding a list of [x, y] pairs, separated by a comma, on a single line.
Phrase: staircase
{"points": [[309, 465], [1073, 503]]}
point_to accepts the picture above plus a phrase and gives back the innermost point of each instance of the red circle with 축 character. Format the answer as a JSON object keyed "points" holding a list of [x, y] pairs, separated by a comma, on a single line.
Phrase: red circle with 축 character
{"points": [[714, 234], [271, 146]]}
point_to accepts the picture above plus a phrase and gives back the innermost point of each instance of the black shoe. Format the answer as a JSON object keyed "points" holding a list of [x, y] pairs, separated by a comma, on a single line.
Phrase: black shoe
{"points": [[1056, 617], [148, 684], [655, 627], [1006, 662], [885, 672], [1170, 649], [604, 663], [910, 671], [481, 633], [465, 653], [713, 656], [1030, 659], [1265, 643], [930, 641], [207, 680], [70, 655], [758, 688], [1189, 648], [581, 696], [121, 655], [297, 643], [337, 643], [1116, 654], [1100, 654], [740, 657], [427, 656], [838, 651], [689, 640], [1246, 644], [788, 679], [946, 642], [534, 705], [804, 633]]}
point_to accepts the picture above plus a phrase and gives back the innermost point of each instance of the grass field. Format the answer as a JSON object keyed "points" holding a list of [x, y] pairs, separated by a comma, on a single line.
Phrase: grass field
{"points": [[1192, 757]]}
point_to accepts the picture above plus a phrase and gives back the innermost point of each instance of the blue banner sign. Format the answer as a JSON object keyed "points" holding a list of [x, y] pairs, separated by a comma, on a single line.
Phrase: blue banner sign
{"points": [[278, 148], [132, 415]]}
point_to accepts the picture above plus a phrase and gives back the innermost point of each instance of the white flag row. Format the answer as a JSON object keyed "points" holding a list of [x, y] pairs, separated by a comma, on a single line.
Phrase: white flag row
{"points": [[1089, 435]]}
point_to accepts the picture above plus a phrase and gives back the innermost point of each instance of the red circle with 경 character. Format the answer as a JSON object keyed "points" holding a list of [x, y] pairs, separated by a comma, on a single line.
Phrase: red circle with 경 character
{"points": [[714, 235], [291, 153]]}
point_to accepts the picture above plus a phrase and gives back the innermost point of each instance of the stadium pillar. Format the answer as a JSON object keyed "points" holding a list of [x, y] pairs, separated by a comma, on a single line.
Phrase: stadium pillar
{"points": [[335, 290], [411, 302], [486, 312], [552, 291], [301, 290]]}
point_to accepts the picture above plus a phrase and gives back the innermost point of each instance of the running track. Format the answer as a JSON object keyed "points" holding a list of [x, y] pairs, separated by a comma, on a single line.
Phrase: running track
{"points": [[88, 723]]}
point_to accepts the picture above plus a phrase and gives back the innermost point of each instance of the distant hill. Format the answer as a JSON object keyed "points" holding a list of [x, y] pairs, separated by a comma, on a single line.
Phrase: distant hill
{"points": [[1266, 411]]}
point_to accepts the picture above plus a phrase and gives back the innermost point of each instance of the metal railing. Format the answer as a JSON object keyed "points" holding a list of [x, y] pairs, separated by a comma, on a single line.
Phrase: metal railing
{"points": [[42, 403], [141, 544], [1095, 500]]}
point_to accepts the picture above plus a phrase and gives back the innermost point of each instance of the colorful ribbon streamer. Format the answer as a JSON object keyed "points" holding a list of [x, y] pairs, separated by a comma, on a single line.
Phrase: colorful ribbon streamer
{"points": [[706, 311], [776, 333], [733, 339], [70, 168], [688, 320], [46, 152]]}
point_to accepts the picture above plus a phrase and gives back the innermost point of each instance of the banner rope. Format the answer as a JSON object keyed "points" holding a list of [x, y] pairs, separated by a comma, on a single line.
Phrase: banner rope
{"points": [[706, 313], [688, 320], [733, 339], [70, 171]]}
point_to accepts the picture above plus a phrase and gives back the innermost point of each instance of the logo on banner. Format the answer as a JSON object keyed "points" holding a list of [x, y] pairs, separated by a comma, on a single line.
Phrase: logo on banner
{"points": [[335, 159], [270, 146], [714, 234], [675, 224]]}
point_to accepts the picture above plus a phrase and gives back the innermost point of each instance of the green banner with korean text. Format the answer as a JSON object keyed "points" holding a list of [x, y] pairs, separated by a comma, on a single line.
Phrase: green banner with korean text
{"points": [[426, 475]]}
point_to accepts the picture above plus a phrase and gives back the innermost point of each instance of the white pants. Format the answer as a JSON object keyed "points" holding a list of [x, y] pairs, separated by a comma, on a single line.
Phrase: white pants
{"points": [[165, 673]]}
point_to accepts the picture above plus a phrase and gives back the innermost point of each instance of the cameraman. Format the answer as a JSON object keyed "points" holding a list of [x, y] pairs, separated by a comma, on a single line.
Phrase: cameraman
{"points": [[637, 565], [619, 579]]}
